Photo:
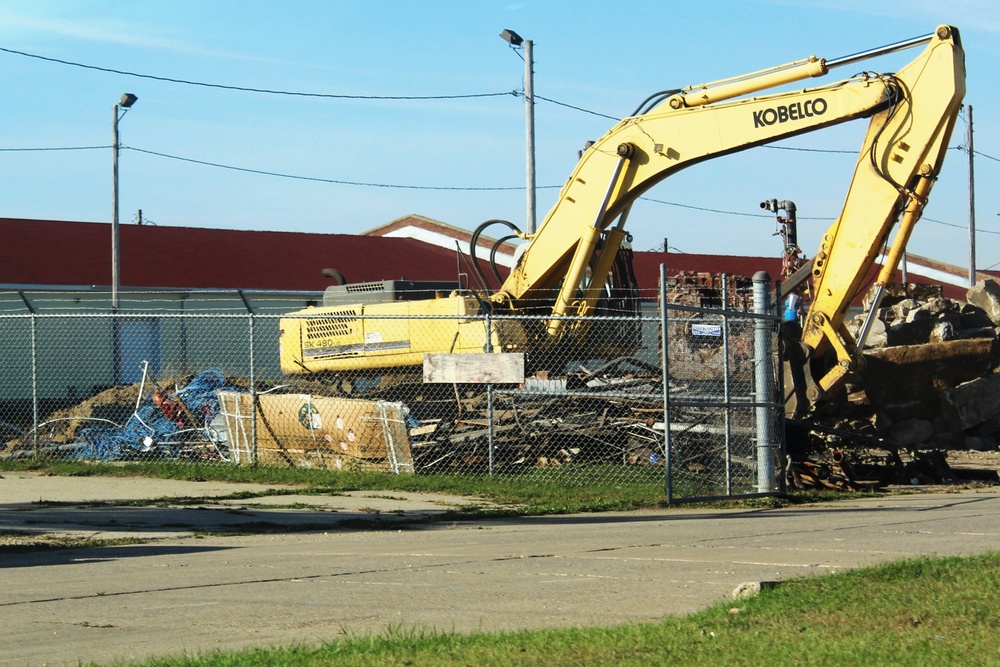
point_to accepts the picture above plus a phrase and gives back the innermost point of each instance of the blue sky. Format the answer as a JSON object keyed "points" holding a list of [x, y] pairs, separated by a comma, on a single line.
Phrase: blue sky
{"points": [[433, 157]]}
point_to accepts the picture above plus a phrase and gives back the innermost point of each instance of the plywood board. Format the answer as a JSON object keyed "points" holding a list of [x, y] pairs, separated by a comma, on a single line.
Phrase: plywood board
{"points": [[502, 368]]}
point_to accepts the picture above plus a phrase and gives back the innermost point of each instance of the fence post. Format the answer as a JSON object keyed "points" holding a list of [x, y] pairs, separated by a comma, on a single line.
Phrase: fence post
{"points": [[665, 363], [34, 380], [489, 395], [33, 315], [779, 299], [727, 390], [253, 382], [764, 384]]}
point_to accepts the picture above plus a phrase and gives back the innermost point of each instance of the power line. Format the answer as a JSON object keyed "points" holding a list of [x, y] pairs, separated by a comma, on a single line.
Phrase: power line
{"points": [[263, 172], [58, 148], [266, 91], [570, 106], [979, 230], [715, 210], [270, 91], [809, 150]]}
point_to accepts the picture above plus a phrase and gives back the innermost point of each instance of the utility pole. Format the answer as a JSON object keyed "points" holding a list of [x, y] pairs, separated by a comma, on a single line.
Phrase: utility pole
{"points": [[126, 101], [515, 41], [972, 196], [529, 122]]}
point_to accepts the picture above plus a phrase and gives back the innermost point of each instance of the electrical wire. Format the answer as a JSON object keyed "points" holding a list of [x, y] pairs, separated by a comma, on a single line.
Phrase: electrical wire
{"points": [[570, 106], [57, 148], [266, 91], [263, 172], [808, 150], [317, 179]]}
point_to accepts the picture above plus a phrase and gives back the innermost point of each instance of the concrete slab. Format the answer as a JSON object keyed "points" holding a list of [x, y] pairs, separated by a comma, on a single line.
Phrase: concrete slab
{"points": [[199, 594], [114, 508]]}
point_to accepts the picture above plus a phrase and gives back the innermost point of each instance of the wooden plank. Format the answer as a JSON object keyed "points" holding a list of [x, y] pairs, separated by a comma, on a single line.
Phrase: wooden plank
{"points": [[503, 368]]}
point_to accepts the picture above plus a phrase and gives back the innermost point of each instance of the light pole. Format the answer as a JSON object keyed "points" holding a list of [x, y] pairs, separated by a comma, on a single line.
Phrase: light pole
{"points": [[515, 41], [972, 195], [127, 100]]}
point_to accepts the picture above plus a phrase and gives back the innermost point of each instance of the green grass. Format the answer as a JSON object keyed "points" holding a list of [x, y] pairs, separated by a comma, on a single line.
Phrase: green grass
{"points": [[926, 611], [545, 491]]}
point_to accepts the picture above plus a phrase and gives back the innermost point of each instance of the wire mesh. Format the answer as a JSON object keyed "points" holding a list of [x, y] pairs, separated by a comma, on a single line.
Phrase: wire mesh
{"points": [[198, 380]]}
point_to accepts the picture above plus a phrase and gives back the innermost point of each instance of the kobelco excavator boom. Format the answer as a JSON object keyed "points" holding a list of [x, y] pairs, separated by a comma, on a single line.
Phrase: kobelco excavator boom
{"points": [[567, 263]]}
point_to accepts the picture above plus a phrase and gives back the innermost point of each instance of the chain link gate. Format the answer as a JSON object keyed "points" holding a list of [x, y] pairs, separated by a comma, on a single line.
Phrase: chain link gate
{"points": [[199, 385], [724, 435]]}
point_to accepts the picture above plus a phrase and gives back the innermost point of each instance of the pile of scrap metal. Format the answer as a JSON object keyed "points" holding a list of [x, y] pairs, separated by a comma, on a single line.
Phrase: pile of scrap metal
{"points": [[209, 419], [161, 424]]}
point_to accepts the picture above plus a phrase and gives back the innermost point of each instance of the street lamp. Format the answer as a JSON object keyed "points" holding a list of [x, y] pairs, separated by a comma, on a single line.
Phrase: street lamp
{"points": [[516, 41], [126, 101]]}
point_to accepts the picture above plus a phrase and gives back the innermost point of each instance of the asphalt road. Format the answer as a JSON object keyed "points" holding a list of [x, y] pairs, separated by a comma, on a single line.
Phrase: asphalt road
{"points": [[186, 594]]}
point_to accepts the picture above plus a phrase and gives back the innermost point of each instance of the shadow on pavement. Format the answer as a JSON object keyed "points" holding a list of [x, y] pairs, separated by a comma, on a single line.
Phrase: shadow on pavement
{"points": [[94, 554]]}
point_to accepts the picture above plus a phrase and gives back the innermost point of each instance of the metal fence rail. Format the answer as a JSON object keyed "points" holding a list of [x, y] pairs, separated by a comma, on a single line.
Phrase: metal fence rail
{"points": [[693, 408]]}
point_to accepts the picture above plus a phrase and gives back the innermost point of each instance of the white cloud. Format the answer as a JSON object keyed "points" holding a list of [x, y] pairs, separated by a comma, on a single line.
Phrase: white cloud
{"points": [[17, 24]]}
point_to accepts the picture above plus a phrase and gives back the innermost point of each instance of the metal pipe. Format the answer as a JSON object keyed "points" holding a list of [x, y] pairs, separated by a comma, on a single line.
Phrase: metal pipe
{"points": [[972, 196], [529, 124], [779, 298], [725, 384], [34, 379], [665, 363], [115, 256], [716, 91], [764, 383], [879, 51]]}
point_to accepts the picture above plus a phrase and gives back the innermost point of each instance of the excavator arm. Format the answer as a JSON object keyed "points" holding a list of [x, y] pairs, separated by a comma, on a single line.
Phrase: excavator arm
{"points": [[912, 115], [705, 122], [566, 264], [899, 162]]}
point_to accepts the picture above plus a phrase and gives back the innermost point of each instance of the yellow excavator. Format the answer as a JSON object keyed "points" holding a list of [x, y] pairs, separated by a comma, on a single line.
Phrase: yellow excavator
{"points": [[578, 262]]}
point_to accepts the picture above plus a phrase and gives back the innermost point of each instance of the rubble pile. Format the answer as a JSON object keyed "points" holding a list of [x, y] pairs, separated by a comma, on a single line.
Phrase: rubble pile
{"points": [[929, 383]]}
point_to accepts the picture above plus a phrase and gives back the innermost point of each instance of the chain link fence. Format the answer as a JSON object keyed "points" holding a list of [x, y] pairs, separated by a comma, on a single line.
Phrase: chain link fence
{"points": [[202, 379]]}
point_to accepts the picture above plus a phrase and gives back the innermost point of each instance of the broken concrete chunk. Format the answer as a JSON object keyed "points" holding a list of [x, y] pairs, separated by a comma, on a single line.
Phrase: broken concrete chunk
{"points": [[949, 441], [881, 422], [911, 432], [750, 588], [986, 295], [943, 330], [917, 314], [980, 444], [971, 403], [920, 329]]}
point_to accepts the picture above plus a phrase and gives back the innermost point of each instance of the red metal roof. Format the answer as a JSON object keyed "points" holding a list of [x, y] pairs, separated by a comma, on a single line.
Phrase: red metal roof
{"points": [[647, 266], [47, 252]]}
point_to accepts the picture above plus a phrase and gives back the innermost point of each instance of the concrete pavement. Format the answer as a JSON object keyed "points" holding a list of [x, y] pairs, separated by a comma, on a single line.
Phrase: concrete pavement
{"points": [[189, 594]]}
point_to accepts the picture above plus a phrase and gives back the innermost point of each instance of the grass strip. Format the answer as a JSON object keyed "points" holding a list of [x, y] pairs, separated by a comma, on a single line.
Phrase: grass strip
{"points": [[924, 611]]}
